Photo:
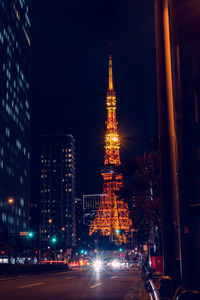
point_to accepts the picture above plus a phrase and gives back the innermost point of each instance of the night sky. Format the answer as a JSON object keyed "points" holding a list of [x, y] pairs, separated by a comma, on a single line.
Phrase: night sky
{"points": [[69, 62]]}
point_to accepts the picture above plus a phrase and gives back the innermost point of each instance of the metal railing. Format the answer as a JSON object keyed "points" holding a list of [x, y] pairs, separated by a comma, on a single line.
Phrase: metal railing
{"points": [[155, 291]]}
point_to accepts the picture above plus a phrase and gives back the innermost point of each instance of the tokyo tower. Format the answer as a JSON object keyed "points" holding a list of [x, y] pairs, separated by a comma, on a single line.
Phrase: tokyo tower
{"points": [[112, 218]]}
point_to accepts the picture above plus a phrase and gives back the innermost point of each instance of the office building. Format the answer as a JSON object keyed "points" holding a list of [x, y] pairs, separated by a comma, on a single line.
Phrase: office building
{"points": [[14, 115], [90, 207], [57, 203], [79, 220], [79, 211]]}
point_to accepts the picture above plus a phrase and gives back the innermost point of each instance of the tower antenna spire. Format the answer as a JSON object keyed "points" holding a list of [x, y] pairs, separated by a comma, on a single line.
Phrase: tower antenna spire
{"points": [[110, 85]]}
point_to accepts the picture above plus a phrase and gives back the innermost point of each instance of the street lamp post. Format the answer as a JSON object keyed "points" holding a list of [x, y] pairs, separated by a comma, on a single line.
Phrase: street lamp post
{"points": [[171, 242]]}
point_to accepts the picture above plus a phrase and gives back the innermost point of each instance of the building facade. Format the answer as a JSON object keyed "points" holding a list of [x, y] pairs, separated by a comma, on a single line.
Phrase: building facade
{"points": [[14, 115], [57, 203], [185, 47], [79, 212], [90, 207], [79, 220]]}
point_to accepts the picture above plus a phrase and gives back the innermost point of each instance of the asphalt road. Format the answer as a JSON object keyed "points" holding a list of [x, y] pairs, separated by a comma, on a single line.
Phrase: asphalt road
{"points": [[76, 284]]}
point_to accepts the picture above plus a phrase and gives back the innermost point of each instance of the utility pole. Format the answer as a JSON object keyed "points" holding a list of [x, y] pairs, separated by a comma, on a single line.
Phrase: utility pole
{"points": [[167, 140]]}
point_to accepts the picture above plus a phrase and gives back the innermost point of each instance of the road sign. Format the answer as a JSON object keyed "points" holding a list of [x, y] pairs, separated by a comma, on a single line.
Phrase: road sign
{"points": [[145, 247], [23, 233]]}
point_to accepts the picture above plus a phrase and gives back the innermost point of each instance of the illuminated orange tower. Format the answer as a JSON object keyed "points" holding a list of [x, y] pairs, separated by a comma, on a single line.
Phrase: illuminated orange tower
{"points": [[112, 218]]}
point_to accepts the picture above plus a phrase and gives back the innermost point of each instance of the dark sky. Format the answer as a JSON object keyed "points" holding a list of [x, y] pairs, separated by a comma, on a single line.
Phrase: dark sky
{"points": [[69, 60]]}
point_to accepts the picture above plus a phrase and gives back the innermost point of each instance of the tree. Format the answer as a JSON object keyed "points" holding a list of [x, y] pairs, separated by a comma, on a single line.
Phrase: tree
{"points": [[142, 193]]}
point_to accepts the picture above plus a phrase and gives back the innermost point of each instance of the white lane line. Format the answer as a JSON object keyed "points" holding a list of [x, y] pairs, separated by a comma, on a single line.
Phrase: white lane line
{"points": [[93, 286], [29, 285], [113, 277], [69, 277]]}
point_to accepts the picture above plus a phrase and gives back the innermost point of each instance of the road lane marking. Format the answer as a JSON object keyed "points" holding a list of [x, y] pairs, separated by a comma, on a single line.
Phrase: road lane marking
{"points": [[69, 277], [113, 277], [29, 285], [93, 286]]}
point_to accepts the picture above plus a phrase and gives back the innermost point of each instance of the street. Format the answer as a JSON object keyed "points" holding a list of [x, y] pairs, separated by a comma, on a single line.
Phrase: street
{"points": [[76, 284]]}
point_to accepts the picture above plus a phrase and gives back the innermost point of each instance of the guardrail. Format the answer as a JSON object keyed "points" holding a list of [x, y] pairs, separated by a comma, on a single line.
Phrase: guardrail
{"points": [[155, 291]]}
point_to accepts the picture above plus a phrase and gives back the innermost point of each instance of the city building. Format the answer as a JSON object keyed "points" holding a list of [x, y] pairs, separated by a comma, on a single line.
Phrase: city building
{"points": [[90, 207], [14, 116], [57, 202], [79, 221], [79, 212]]}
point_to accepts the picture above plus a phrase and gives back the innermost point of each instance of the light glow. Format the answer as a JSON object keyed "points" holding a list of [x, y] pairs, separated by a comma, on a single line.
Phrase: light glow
{"points": [[10, 200], [97, 265], [115, 264]]}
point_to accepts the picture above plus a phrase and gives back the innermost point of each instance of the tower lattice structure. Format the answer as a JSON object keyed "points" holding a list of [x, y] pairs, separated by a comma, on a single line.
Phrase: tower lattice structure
{"points": [[112, 218]]}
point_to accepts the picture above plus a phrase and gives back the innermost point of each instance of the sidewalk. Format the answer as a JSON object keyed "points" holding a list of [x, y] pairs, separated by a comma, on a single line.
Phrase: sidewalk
{"points": [[135, 290]]}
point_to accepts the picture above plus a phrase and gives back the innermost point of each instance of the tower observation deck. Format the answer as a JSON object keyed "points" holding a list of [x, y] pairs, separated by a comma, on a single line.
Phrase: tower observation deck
{"points": [[112, 218]]}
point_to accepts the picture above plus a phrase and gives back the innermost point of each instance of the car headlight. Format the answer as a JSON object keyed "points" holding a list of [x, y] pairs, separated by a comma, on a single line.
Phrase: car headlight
{"points": [[97, 265], [115, 264]]}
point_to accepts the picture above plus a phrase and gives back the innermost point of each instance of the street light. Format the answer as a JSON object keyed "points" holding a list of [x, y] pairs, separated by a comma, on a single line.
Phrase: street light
{"points": [[10, 200]]}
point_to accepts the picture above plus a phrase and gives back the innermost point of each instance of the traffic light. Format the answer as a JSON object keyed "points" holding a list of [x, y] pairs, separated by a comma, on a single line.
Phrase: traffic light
{"points": [[54, 239], [82, 251], [30, 234], [117, 230], [120, 249]]}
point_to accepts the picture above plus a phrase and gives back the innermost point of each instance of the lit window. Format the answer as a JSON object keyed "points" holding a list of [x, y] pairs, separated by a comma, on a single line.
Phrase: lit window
{"points": [[18, 144], [7, 131]]}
